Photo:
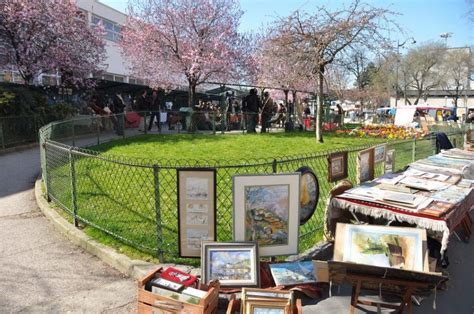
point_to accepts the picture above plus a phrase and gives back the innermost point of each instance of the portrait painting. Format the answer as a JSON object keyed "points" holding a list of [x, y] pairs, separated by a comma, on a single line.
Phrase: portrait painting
{"points": [[266, 210]]}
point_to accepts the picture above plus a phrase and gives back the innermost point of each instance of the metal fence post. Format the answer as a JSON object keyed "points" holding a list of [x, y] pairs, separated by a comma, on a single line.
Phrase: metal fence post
{"points": [[45, 168], [413, 151], [2, 137], [72, 168], [159, 233], [73, 133], [274, 166]]}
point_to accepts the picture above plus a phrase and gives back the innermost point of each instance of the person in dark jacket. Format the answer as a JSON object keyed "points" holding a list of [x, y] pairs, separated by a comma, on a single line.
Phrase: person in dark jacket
{"points": [[251, 105], [156, 106], [267, 111]]}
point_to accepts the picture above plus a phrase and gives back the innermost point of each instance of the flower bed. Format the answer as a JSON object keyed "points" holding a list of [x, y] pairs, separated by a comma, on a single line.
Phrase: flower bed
{"points": [[389, 132]]}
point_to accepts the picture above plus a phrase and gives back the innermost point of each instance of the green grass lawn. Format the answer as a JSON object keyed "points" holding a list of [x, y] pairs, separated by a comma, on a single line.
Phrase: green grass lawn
{"points": [[116, 192], [228, 147]]}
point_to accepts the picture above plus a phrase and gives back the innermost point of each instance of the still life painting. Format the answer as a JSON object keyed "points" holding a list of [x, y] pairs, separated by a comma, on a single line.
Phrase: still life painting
{"points": [[268, 213]]}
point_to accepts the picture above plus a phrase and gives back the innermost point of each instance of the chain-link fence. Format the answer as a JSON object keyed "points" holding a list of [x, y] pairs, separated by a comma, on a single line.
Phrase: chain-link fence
{"points": [[135, 200]]}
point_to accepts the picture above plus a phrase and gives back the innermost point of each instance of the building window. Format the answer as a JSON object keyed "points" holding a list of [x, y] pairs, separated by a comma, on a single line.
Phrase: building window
{"points": [[112, 29], [119, 78]]}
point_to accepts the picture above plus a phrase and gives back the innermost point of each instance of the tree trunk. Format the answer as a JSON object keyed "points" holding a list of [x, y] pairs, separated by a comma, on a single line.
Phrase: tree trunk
{"points": [[287, 115], [320, 106], [298, 108], [191, 94]]}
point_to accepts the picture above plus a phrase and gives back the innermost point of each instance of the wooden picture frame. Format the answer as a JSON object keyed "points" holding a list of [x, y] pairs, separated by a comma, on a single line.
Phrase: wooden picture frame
{"points": [[389, 165], [265, 307], [469, 136], [382, 246], [267, 210], [196, 209], [309, 194], [365, 165], [337, 166], [379, 153], [253, 299], [239, 259]]}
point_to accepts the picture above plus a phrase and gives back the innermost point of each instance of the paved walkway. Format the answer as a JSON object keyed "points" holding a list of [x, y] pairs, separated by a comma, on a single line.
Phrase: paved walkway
{"points": [[40, 270]]}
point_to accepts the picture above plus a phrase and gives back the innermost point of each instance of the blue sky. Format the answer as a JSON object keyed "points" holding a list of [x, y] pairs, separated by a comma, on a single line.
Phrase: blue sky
{"points": [[422, 19]]}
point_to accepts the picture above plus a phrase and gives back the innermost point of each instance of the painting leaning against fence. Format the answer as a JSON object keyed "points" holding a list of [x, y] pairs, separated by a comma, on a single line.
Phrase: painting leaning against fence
{"points": [[266, 214]]}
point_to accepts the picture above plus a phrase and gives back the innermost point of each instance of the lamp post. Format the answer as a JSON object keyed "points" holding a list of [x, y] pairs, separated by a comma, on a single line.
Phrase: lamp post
{"points": [[446, 36], [396, 70]]}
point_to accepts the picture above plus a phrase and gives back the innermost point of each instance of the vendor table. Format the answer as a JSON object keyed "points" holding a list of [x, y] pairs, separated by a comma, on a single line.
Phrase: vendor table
{"points": [[439, 227]]}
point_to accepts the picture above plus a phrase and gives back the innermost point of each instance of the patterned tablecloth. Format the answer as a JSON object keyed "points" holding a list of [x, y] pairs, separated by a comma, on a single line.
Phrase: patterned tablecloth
{"points": [[438, 227]]}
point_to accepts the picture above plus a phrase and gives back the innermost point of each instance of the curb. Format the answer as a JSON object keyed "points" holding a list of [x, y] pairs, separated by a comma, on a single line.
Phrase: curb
{"points": [[127, 266]]}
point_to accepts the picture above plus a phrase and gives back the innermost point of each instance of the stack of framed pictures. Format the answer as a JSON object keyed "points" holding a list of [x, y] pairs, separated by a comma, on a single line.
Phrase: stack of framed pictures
{"points": [[267, 211], [261, 301]]}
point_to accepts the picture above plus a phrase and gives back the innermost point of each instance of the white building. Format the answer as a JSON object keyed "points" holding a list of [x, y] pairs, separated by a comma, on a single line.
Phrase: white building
{"points": [[115, 65]]}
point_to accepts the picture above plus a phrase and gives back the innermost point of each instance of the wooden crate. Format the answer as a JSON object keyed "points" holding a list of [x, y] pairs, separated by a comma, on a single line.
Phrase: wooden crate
{"points": [[147, 301]]}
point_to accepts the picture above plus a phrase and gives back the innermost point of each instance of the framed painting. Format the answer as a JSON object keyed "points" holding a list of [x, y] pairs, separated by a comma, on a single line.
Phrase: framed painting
{"points": [[379, 153], [382, 246], [234, 264], [286, 274], [469, 136], [267, 211], [389, 161], [365, 165], [309, 193], [266, 307], [196, 209], [337, 166]]}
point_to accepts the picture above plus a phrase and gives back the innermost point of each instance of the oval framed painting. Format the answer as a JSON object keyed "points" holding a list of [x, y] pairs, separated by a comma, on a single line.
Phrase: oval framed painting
{"points": [[309, 194]]}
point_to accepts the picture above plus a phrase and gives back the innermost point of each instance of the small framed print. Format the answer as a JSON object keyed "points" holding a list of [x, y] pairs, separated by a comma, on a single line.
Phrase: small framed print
{"points": [[337, 166], [196, 209], [379, 153], [267, 307], [390, 161], [267, 211], [365, 165], [469, 136], [234, 264], [309, 193]]}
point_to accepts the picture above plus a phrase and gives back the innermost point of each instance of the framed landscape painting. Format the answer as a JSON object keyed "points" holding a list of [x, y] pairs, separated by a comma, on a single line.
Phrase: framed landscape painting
{"points": [[382, 246], [309, 193], [285, 274], [337, 166], [390, 161], [379, 153], [365, 165], [196, 209], [267, 211], [234, 264]]}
